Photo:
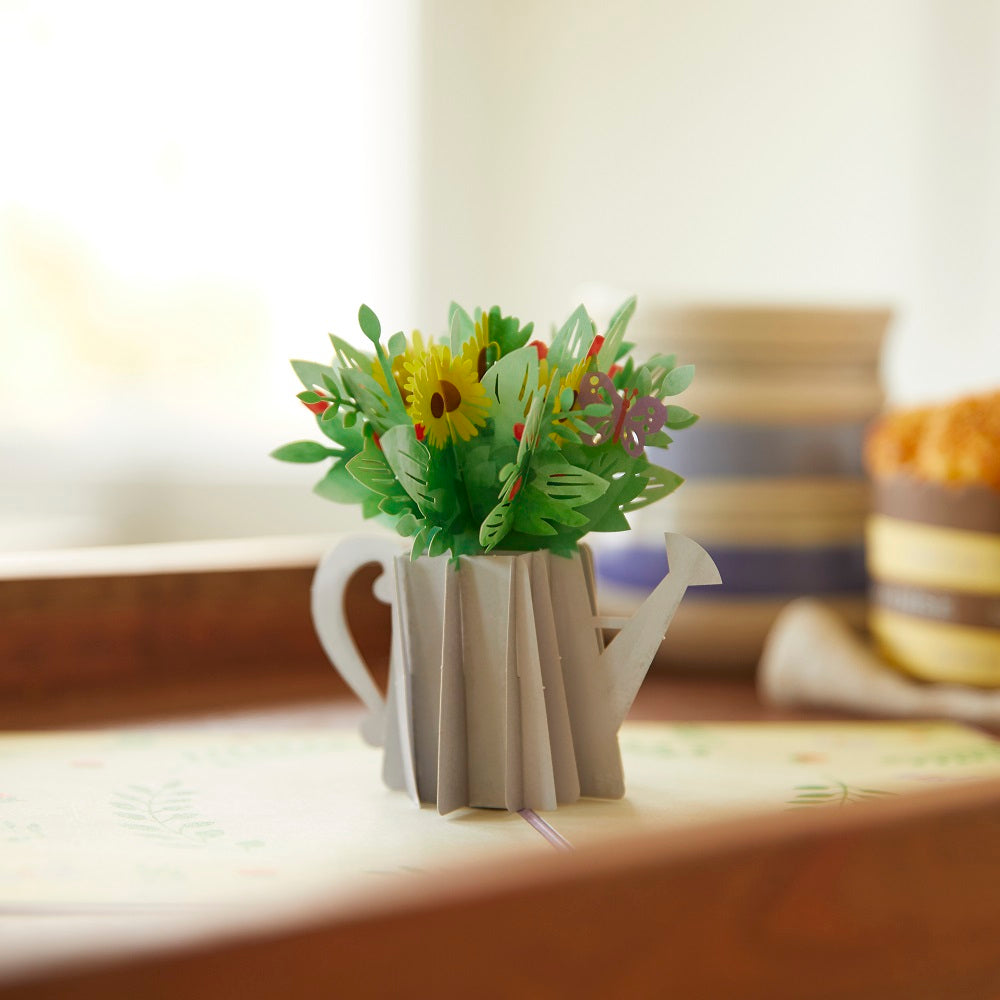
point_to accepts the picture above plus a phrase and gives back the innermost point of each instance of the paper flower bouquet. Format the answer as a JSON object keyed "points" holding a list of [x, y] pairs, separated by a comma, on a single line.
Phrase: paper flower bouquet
{"points": [[488, 439], [503, 452]]}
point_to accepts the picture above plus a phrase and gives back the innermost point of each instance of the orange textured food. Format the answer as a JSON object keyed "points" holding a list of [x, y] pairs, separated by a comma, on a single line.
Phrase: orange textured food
{"points": [[957, 443]]}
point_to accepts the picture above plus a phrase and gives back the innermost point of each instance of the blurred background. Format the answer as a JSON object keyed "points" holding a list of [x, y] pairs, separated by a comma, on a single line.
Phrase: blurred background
{"points": [[192, 193]]}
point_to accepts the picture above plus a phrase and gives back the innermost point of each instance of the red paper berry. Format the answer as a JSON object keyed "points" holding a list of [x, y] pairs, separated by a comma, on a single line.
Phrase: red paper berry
{"points": [[419, 428], [595, 346], [542, 348], [516, 488], [321, 406], [518, 431], [614, 370], [377, 440]]}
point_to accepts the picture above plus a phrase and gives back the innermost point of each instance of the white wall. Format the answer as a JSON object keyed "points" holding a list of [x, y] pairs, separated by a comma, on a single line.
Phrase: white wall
{"points": [[777, 150], [201, 190], [190, 194]]}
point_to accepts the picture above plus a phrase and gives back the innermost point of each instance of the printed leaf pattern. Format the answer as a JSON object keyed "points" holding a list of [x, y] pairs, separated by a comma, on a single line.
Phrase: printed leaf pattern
{"points": [[167, 814], [834, 793]]}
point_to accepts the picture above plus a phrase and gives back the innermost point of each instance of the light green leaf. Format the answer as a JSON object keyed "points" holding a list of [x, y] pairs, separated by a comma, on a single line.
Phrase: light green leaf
{"points": [[340, 486], [369, 324], [438, 541], [410, 460], [497, 525], [678, 418], [311, 374], [419, 542], [407, 524], [507, 332], [662, 482], [567, 484], [303, 451], [536, 510], [397, 344], [659, 439], [511, 384], [612, 520], [572, 340], [616, 334], [370, 468], [530, 517], [461, 327], [677, 380], [349, 356]]}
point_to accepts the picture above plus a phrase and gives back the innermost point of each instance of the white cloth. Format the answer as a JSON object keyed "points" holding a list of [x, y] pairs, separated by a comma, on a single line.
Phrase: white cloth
{"points": [[813, 658]]}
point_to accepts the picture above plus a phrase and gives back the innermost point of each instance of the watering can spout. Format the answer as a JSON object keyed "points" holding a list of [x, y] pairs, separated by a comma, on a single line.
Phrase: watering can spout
{"points": [[628, 656]]}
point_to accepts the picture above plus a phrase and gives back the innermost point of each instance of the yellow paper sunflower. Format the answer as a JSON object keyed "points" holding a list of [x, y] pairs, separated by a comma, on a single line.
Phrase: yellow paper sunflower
{"points": [[445, 396], [414, 349], [571, 380], [475, 349]]}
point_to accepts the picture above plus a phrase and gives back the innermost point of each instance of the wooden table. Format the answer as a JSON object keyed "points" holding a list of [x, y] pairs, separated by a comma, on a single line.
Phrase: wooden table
{"points": [[896, 900]]}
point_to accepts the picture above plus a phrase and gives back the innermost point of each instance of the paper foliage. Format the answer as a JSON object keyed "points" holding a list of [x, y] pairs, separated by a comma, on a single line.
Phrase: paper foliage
{"points": [[486, 439]]}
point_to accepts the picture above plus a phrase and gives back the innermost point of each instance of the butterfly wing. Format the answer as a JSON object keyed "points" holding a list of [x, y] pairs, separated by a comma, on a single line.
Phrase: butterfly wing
{"points": [[645, 416], [597, 387]]}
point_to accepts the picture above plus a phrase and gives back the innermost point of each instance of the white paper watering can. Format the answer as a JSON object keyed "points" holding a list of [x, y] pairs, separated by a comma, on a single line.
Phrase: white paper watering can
{"points": [[502, 692]]}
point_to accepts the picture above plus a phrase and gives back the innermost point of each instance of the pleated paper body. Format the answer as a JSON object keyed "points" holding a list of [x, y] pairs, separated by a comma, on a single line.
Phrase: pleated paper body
{"points": [[497, 697]]}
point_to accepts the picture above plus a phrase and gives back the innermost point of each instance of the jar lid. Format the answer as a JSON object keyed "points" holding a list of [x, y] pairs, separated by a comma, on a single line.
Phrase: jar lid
{"points": [[764, 335]]}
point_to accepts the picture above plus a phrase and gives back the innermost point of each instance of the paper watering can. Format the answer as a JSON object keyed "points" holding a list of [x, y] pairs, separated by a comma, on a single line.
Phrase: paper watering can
{"points": [[502, 693]]}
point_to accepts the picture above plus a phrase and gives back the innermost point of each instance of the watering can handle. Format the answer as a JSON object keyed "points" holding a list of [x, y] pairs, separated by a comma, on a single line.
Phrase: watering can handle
{"points": [[330, 619]]}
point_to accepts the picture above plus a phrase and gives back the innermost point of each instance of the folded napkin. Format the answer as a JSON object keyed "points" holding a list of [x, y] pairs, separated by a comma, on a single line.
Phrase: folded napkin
{"points": [[813, 658]]}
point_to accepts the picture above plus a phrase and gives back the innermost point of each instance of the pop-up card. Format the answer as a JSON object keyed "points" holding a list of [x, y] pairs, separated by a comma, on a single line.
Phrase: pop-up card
{"points": [[496, 453]]}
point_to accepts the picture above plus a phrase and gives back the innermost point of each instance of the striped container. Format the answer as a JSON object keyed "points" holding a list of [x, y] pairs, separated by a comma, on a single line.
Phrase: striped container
{"points": [[934, 560], [775, 487]]}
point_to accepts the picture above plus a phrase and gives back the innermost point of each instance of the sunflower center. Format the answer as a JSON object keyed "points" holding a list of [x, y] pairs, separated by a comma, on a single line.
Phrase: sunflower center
{"points": [[481, 363], [447, 400]]}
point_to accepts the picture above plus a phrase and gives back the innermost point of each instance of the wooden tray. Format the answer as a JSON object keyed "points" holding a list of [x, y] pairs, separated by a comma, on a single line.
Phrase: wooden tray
{"points": [[894, 900]]}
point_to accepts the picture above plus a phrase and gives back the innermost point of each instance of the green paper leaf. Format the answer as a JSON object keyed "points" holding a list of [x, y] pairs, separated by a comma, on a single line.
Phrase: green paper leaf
{"points": [[410, 460], [332, 426], [677, 380], [567, 484], [612, 520], [572, 340], [372, 471], [369, 324], [659, 439], [497, 525], [512, 385], [303, 451], [507, 332], [407, 525], [397, 344], [662, 482], [311, 374], [678, 418], [616, 334], [348, 356], [371, 506], [438, 541], [396, 504], [461, 327], [340, 486], [531, 514]]}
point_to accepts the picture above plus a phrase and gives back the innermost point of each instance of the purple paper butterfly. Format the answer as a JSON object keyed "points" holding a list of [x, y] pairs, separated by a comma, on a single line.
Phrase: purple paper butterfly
{"points": [[631, 419]]}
